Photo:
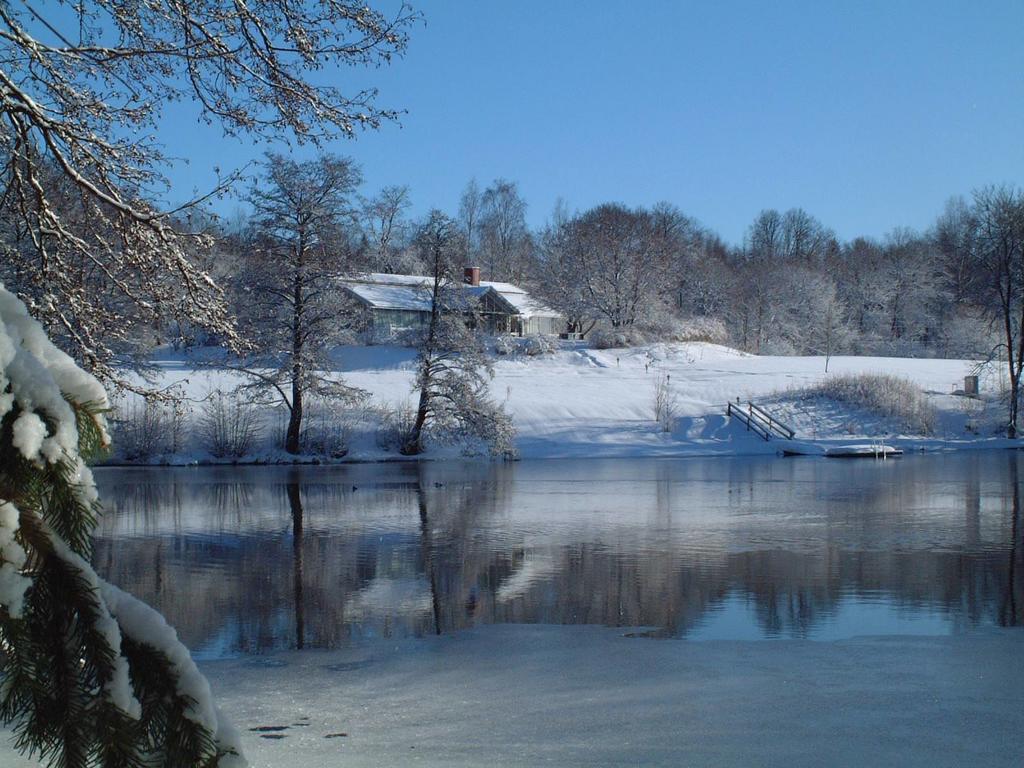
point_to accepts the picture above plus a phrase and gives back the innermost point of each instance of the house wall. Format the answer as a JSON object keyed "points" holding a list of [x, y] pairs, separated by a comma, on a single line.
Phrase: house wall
{"points": [[386, 323], [535, 326]]}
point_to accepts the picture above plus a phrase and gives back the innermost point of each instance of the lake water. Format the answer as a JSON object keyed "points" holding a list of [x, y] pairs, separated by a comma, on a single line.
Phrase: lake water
{"points": [[256, 559]]}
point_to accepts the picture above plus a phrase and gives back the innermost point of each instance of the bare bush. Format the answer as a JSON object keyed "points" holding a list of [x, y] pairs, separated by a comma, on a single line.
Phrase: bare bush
{"points": [[888, 396], [327, 430], [707, 329], [395, 430], [144, 429], [666, 402], [616, 338], [229, 426]]}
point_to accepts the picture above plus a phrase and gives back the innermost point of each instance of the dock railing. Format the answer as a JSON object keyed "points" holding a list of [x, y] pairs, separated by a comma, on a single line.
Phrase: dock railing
{"points": [[758, 420]]}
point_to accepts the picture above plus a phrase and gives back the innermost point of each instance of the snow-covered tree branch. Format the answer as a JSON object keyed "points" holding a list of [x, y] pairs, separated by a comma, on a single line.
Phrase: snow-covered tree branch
{"points": [[91, 676], [87, 242]]}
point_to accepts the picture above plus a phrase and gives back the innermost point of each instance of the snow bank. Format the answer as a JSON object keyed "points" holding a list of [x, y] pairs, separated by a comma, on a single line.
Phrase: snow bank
{"points": [[580, 402]]}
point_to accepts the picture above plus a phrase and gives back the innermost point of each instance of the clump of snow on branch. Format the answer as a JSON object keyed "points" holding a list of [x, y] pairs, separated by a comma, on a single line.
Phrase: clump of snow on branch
{"points": [[12, 557], [39, 377]]}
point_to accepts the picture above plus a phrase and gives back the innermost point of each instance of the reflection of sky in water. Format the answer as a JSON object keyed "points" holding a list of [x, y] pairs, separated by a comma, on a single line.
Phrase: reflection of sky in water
{"points": [[735, 619], [249, 560]]}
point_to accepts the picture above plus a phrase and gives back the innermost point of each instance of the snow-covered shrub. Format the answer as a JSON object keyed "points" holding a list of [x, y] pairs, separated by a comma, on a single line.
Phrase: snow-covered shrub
{"points": [[326, 427], [666, 402], [527, 345], [673, 329], [616, 338], [538, 345], [888, 396], [229, 426], [491, 433], [146, 429], [779, 346], [505, 345]]}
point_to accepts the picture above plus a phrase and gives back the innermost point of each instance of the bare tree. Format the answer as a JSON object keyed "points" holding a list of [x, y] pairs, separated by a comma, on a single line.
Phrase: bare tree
{"points": [[469, 220], [952, 237], [705, 279], [558, 261], [83, 86], [300, 206], [452, 368], [820, 325], [765, 237], [623, 262], [998, 251], [382, 219], [804, 239], [504, 237]]}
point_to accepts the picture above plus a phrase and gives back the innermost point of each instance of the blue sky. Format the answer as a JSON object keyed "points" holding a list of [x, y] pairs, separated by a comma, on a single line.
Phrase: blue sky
{"points": [[867, 114]]}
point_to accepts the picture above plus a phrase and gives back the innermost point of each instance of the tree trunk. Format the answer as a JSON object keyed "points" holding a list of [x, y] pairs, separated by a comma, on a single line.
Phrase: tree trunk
{"points": [[1011, 427], [414, 446], [292, 442]]}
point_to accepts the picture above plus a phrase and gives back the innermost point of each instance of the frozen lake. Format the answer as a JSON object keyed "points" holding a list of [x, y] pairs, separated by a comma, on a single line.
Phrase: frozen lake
{"points": [[259, 559], [702, 612]]}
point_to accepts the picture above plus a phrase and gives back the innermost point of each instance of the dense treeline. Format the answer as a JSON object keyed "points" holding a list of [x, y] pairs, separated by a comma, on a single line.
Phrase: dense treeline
{"points": [[791, 287], [634, 273]]}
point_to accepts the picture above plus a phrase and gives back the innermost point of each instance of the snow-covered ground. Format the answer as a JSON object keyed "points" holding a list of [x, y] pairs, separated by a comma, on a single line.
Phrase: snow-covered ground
{"points": [[582, 402], [518, 695], [601, 698], [531, 695]]}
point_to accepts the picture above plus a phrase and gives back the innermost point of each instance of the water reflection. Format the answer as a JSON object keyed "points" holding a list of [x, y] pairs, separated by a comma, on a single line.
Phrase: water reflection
{"points": [[255, 559]]}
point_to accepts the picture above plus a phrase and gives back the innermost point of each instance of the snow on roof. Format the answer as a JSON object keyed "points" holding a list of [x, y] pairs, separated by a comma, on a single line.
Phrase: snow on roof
{"points": [[409, 296], [383, 278], [526, 305], [412, 292], [502, 287]]}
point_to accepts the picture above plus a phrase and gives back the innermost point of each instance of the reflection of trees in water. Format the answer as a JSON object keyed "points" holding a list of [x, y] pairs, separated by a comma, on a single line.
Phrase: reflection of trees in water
{"points": [[1010, 608], [328, 570]]}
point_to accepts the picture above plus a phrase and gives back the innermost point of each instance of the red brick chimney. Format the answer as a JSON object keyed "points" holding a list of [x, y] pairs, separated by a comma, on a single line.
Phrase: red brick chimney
{"points": [[471, 276]]}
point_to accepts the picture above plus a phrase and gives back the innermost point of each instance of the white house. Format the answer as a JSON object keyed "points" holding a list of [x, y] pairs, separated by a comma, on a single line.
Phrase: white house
{"points": [[396, 303]]}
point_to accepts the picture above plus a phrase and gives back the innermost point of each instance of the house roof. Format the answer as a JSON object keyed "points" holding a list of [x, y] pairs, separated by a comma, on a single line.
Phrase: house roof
{"points": [[410, 297], [413, 293], [524, 303]]}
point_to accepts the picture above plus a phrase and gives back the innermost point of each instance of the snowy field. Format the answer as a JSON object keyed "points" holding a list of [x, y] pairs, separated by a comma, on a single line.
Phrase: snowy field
{"points": [[581, 402]]}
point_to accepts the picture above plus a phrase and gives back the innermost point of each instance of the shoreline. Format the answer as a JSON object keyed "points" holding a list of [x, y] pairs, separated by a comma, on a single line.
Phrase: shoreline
{"points": [[589, 403], [910, 447]]}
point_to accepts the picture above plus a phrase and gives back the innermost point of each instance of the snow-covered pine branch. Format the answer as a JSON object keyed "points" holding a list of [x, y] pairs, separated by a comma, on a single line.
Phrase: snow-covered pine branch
{"points": [[91, 676]]}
